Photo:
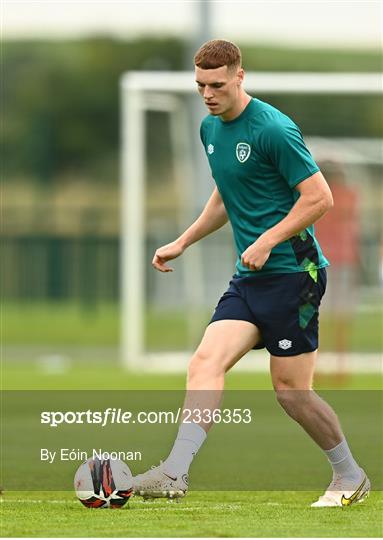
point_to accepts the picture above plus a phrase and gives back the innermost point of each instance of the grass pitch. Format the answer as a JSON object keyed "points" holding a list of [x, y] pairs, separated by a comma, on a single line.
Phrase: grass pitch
{"points": [[200, 514], [28, 323]]}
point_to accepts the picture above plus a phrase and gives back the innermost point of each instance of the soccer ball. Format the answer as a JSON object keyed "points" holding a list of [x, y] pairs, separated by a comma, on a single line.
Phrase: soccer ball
{"points": [[103, 483]]}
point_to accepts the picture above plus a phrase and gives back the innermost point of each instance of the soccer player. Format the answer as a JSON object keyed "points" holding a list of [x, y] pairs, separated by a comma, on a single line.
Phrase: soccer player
{"points": [[271, 190]]}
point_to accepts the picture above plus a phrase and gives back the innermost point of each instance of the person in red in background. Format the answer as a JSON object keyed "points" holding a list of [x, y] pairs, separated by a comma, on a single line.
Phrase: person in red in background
{"points": [[339, 235]]}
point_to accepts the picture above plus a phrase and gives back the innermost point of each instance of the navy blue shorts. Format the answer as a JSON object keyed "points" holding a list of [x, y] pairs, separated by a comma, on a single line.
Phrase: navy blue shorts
{"points": [[284, 307]]}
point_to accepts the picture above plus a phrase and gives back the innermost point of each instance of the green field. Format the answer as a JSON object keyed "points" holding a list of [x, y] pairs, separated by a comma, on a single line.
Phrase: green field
{"points": [[99, 324], [109, 375], [201, 514]]}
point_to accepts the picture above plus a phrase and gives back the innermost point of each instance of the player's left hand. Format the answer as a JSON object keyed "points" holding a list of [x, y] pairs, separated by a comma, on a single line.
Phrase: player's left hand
{"points": [[256, 255]]}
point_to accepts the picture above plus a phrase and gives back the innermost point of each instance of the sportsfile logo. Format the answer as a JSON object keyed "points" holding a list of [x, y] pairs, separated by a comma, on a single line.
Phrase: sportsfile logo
{"points": [[114, 415], [110, 415]]}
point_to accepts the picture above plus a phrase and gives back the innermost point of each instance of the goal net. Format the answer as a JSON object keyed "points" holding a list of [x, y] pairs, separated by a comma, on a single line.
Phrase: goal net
{"points": [[165, 183]]}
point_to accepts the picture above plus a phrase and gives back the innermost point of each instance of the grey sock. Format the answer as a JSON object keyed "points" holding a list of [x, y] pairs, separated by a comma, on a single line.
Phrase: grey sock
{"points": [[189, 440], [342, 461]]}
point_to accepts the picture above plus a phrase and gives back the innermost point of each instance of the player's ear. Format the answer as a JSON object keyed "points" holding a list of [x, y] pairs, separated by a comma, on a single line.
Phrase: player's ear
{"points": [[240, 76]]}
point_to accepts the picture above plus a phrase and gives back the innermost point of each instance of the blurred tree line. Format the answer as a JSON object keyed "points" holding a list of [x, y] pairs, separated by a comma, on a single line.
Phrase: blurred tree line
{"points": [[60, 142], [61, 100]]}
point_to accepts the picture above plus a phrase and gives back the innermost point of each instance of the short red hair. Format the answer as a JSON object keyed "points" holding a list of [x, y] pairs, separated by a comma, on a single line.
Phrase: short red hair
{"points": [[217, 53]]}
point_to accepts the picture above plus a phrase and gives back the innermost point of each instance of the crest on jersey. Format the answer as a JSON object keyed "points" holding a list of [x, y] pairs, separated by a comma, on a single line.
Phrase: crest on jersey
{"points": [[242, 151]]}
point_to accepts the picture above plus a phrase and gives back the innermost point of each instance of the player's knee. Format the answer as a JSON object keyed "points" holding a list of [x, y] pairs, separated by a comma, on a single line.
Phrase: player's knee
{"points": [[283, 382], [204, 362], [285, 397], [292, 400]]}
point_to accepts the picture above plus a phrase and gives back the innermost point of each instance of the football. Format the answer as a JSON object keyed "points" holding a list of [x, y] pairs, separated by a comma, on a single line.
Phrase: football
{"points": [[103, 483]]}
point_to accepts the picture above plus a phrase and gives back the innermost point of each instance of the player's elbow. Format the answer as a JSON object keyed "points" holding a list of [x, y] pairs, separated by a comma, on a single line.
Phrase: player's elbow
{"points": [[323, 201], [317, 193], [327, 201]]}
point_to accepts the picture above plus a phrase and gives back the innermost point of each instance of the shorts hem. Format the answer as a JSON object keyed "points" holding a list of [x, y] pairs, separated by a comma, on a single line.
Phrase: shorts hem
{"points": [[257, 347], [287, 353], [231, 319]]}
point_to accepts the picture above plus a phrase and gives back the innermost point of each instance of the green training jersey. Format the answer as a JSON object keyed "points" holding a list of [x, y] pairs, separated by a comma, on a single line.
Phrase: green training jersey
{"points": [[256, 160]]}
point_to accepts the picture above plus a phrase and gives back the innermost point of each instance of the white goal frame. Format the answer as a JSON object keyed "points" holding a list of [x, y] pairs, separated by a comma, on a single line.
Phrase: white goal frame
{"points": [[159, 91]]}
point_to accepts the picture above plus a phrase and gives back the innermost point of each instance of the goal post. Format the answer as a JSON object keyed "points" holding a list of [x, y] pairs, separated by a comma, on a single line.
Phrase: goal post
{"points": [[165, 91]]}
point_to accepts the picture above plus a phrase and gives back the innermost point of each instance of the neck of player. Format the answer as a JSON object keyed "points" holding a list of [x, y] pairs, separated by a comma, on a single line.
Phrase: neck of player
{"points": [[239, 106]]}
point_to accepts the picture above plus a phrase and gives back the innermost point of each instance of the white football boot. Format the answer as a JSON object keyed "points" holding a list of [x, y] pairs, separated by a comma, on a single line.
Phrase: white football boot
{"points": [[156, 483], [342, 492]]}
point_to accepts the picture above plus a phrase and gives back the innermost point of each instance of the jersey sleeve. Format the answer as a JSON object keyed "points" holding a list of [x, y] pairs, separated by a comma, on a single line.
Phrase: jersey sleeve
{"points": [[284, 145]]}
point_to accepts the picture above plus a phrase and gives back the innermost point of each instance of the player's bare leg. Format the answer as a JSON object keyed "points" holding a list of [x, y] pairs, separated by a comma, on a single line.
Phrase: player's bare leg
{"points": [[222, 345], [292, 379]]}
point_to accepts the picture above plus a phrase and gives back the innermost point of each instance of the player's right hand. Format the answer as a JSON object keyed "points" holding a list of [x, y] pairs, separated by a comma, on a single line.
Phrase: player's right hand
{"points": [[166, 253]]}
